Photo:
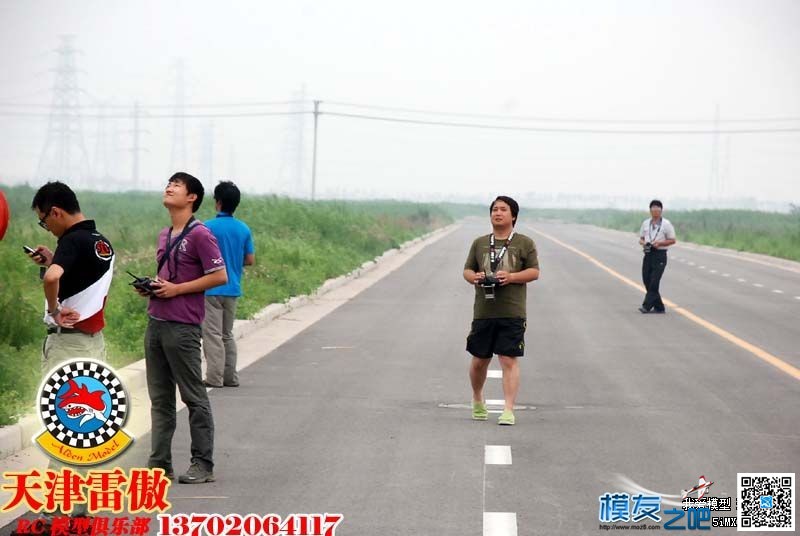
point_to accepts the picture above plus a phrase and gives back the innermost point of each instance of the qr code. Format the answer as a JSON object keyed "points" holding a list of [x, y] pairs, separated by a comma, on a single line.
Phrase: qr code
{"points": [[766, 501]]}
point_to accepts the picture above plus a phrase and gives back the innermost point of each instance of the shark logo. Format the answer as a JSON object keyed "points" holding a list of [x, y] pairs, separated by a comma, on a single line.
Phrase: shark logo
{"points": [[83, 406], [79, 403]]}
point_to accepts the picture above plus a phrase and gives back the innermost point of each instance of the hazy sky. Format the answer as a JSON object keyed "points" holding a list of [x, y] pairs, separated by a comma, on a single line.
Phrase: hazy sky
{"points": [[586, 60]]}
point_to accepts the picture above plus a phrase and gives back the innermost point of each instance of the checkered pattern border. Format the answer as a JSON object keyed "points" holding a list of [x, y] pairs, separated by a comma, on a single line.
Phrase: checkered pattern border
{"points": [[81, 369]]}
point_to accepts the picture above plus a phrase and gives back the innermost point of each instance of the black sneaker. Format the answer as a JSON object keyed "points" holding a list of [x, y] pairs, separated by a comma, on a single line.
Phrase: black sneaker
{"points": [[168, 473], [643, 310], [196, 475]]}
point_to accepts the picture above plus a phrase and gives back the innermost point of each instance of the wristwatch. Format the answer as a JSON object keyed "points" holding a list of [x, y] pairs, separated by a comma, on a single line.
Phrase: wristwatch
{"points": [[56, 311]]}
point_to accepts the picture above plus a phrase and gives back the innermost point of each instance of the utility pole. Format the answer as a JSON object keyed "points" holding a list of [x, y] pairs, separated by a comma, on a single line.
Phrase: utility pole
{"points": [[314, 161], [102, 174], [207, 157], [135, 149], [232, 163], [726, 167], [713, 189]]}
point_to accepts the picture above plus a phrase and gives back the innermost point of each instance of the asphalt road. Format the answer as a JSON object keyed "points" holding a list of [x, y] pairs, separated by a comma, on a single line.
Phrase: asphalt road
{"points": [[365, 412]]}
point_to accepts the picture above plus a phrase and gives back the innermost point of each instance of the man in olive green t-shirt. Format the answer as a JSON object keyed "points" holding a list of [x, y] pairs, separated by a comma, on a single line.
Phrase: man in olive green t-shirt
{"points": [[499, 265]]}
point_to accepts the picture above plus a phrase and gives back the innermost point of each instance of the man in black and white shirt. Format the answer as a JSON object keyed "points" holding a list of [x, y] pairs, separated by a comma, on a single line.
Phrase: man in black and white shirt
{"points": [[655, 236], [75, 283], [77, 279]]}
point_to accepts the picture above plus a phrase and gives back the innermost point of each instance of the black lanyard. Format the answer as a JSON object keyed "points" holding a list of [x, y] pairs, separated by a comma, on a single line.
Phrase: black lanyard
{"points": [[650, 229], [172, 245], [494, 257]]}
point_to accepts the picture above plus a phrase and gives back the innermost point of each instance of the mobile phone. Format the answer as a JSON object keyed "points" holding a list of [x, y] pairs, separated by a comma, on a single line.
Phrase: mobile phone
{"points": [[28, 250]]}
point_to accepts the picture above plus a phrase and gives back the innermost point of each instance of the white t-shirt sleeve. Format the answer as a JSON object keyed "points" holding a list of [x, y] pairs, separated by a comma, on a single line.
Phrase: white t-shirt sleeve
{"points": [[669, 231], [643, 229]]}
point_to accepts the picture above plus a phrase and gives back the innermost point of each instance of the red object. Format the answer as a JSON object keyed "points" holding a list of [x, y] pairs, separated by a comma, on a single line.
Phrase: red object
{"points": [[5, 214]]}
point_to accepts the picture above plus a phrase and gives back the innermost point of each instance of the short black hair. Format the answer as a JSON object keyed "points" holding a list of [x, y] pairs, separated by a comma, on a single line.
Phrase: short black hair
{"points": [[656, 202], [228, 196], [193, 186], [56, 194], [513, 205]]}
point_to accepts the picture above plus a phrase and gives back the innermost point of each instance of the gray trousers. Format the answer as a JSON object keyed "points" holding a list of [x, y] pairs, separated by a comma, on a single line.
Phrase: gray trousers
{"points": [[219, 346], [172, 357], [57, 348]]}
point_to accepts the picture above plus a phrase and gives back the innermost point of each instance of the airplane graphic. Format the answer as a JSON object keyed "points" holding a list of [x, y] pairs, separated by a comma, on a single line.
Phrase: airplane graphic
{"points": [[701, 488]]}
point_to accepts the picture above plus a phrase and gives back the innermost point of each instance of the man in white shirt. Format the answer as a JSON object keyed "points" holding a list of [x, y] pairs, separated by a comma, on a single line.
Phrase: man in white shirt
{"points": [[655, 236]]}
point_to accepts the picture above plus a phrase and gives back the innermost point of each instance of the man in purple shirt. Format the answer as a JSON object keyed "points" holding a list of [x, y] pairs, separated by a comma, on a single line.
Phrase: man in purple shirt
{"points": [[189, 262]]}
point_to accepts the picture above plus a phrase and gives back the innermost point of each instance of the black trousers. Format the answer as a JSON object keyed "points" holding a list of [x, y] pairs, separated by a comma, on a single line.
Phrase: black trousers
{"points": [[652, 269]]}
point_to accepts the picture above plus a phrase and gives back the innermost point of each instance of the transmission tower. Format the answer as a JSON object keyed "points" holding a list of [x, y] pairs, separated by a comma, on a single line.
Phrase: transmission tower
{"points": [[64, 153], [137, 149], [178, 157]]}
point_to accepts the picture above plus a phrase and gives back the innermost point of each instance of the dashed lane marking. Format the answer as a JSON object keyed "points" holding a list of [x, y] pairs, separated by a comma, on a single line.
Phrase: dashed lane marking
{"points": [[499, 524], [497, 455]]}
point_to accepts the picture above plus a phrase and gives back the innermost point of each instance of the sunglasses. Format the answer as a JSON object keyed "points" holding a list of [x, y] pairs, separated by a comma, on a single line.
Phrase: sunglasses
{"points": [[42, 222]]}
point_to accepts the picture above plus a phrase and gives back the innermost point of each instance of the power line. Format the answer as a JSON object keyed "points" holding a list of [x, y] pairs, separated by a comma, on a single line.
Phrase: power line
{"points": [[543, 119], [202, 105], [158, 116], [558, 119], [484, 126], [554, 129]]}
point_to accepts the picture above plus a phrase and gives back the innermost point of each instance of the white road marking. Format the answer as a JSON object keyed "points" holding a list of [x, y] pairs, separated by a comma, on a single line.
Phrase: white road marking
{"points": [[702, 267], [776, 291], [713, 271], [797, 297], [759, 285], [198, 497], [495, 402], [740, 280], [336, 348], [775, 361], [691, 263], [742, 257], [497, 455], [499, 524], [726, 275], [494, 374]]}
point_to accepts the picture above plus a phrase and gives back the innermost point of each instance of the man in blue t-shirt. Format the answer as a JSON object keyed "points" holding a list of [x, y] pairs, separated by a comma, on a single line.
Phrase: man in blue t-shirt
{"points": [[236, 244]]}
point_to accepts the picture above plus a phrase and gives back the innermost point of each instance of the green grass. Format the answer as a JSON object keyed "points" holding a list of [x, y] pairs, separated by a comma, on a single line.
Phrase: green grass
{"points": [[769, 233], [298, 246]]}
